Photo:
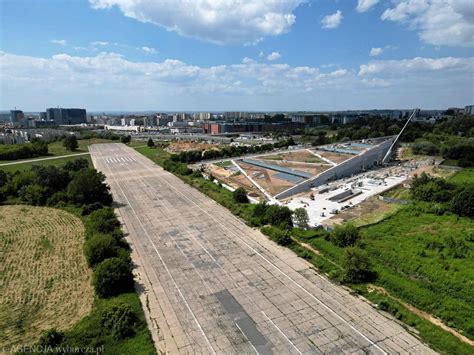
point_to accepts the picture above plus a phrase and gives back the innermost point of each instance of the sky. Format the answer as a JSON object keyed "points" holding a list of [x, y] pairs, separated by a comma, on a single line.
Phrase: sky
{"points": [[236, 55]]}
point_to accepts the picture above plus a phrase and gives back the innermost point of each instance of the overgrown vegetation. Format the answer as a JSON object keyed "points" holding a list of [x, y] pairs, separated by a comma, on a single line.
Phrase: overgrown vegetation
{"points": [[193, 156], [117, 319], [36, 148]]}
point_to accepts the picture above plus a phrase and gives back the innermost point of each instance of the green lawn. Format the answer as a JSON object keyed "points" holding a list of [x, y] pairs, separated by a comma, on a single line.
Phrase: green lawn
{"points": [[158, 155], [55, 162], [465, 176], [89, 332], [57, 148], [224, 164]]}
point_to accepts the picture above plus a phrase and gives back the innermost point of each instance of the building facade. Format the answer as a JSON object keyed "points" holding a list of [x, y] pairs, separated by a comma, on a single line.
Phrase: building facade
{"points": [[66, 116]]}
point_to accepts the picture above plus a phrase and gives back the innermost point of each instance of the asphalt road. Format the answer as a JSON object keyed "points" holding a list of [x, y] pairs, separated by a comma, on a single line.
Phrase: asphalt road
{"points": [[213, 285]]}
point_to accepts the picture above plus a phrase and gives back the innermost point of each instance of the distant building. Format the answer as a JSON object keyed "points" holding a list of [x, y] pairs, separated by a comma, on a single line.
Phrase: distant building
{"points": [[66, 116], [163, 120], [247, 127], [16, 117], [469, 110]]}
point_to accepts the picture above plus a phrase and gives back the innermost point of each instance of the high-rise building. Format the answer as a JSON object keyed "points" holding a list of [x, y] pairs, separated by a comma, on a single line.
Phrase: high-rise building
{"points": [[66, 116], [16, 117]]}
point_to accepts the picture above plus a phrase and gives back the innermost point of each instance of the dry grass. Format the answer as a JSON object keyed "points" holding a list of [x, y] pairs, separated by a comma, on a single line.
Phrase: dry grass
{"points": [[368, 211], [183, 146], [44, 278], [337, 158]]}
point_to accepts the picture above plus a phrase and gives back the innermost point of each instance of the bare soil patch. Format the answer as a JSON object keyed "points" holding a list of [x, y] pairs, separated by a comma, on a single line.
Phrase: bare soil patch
{"points": [[183, 146], [334, 157]]}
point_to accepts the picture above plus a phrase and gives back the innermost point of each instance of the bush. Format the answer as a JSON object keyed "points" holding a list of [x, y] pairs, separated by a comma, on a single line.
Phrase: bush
{"points": [[125, 139], [120, 319], [431, 189], [102, 221], [240, 195], [345, 236], [51, 337], [100, 247], [463, 202], [87, 209], [279, 236], [424, 147], [21, 151], [357, 266], [112, 277], [150, 143]]}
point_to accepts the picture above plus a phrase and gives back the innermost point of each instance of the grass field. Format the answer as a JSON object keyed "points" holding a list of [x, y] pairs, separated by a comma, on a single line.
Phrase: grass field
{"points": [[44, 279], [55, 162], [414, 261], [465, 176]]}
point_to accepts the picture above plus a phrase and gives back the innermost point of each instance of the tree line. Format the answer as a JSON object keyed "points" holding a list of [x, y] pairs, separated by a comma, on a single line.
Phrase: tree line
{"points": [[34, 149], [193, 156]]}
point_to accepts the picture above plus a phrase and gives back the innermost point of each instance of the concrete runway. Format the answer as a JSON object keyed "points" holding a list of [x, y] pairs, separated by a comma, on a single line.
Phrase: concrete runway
{"points": [[213, 285]]}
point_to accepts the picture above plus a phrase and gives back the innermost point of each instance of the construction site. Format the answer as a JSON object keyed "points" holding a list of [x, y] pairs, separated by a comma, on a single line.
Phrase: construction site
{"points": [[324, 180]]}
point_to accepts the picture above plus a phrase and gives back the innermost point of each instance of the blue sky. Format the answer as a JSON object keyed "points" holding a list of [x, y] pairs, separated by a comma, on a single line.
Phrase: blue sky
{"points": [[236, 55]]}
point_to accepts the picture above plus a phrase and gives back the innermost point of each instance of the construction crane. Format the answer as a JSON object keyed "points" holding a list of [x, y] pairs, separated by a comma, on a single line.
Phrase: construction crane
{"points": [[395, 141]]}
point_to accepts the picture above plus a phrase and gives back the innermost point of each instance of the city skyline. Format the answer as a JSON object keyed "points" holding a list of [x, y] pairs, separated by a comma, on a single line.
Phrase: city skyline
{"points": [[118, 55]]}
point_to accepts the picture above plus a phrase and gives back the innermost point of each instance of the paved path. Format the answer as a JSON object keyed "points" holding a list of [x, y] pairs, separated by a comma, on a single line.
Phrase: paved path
{"points": [[41, 159], [213, 285]]}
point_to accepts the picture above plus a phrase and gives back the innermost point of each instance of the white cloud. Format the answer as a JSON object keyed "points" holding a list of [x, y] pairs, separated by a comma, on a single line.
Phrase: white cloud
{"points": [[221, 22], [438, 22], [100, 43], [261, 54], [376, 51], [273, 56], [332, 21], [108, 81], [365, 5], [417, 65], [60, 42], [149, 50]]}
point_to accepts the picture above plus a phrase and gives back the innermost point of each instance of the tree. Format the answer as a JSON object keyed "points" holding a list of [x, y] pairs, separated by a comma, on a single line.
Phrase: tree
{"points": [[463, 202], [112, 277], [125, 139], [240, 195], [119, 318], [345, 236], [357, 266], [100, 247], [88, 186], [34, 194], [279, 216], [70, 142], [301, 218], [150, 143], [51, 178], [76, 164]]}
